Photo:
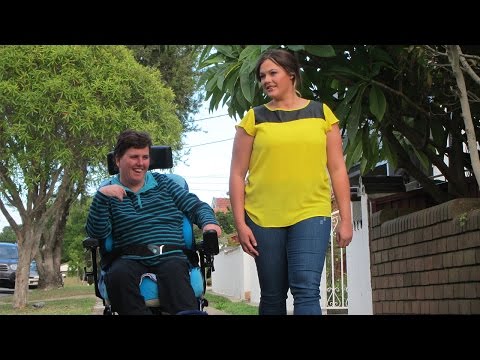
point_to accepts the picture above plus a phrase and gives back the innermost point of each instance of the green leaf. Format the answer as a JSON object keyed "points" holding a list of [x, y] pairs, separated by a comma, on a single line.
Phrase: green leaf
{"points": [[378, 103], [381, 55], [334, 84], [214, 59], [205, 53], [438, 134], [374, 150], [248, 65], [232, 69], [343, 109], [354, 151], [242, 104], [353, 119], [211, 84], [251, 51], [388, 154], [352, 91], [363, 166], [220, 76], [340, 69], [231, 78], [295, 47], [226, 50], [320, 50], [246, 82], [423, 159], [367, 150]]}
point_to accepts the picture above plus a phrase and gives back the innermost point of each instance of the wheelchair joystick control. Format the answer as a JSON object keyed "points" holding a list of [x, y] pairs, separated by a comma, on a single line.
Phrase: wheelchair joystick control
{"points": [[209, 248], [210, 242]]}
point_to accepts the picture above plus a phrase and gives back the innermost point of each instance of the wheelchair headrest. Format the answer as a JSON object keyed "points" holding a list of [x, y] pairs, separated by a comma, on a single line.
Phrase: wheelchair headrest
{"points": [[160, 158]]}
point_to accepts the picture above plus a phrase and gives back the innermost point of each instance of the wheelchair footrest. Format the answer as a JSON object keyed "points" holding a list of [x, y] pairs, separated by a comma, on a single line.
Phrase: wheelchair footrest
{"points": [[192, 312]]}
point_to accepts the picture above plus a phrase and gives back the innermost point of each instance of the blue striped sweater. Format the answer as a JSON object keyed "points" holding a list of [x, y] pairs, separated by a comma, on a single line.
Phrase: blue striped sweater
{"points": [[153, 215]]}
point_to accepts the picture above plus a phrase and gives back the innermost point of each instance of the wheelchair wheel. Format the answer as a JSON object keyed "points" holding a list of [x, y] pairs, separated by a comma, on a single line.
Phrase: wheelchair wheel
{"points": [[204, 302], [107, 310]]}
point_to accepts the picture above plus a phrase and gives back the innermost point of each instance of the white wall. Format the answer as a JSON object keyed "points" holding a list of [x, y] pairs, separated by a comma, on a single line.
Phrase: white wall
{"points": [[358, 263], [228, 277]]}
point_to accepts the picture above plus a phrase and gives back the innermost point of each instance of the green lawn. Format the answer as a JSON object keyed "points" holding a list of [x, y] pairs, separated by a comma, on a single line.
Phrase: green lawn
{"points": [[230, 307], [75, 298], [73, 306]]}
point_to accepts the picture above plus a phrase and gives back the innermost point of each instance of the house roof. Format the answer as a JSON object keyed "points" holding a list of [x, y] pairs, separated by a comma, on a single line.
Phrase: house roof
{"points": [[221, 204]]}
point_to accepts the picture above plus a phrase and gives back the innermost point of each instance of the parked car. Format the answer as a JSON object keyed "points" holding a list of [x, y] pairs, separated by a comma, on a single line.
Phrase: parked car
{"points": [[8, 266], [33, 277]]}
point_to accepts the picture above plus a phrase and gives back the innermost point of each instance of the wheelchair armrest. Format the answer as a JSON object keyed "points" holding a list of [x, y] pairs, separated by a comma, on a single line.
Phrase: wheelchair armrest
{"points": [[90, 243]]}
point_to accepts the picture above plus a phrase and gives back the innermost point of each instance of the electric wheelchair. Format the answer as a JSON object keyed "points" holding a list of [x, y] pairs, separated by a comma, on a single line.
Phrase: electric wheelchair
{"points": [[200, 255]]}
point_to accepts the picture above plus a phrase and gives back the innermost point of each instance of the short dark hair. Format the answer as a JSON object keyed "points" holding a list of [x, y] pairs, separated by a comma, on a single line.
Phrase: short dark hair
{"points": [[283, 58], [131, 138]]}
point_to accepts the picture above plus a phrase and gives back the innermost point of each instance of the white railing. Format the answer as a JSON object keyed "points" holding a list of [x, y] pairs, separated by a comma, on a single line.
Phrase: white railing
{"points": [[336, 272]]}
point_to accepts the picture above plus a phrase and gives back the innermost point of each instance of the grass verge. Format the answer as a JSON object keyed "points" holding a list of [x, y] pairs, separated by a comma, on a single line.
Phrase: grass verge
{"points": [[230, 307], [75, 306], [75, 298]]}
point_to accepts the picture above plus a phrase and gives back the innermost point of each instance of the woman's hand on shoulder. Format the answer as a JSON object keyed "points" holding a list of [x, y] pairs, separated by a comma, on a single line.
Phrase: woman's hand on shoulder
{"points": [[113, 191]]}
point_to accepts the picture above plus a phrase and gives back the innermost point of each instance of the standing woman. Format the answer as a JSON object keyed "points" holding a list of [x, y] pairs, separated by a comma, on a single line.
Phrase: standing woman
{"points": [[282, 210]]}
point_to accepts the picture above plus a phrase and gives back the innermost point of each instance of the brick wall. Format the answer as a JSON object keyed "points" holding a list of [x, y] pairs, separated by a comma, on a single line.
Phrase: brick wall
{"points": [[428, 261]]}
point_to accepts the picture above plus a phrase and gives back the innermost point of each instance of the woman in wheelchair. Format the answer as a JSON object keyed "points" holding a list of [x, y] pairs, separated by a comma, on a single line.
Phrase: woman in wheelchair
{"points": [[143, 213]]}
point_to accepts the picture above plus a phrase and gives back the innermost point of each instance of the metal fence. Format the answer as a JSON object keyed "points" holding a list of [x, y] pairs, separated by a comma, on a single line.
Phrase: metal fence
{"points": [[336, 272]]}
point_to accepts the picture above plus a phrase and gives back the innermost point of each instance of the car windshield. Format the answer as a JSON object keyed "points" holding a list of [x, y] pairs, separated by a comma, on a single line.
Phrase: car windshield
{"points": [[33, 266], [8, 252]]}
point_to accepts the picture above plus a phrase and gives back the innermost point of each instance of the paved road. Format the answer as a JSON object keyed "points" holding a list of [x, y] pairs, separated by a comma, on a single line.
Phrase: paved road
{"points": [[5, 291]]}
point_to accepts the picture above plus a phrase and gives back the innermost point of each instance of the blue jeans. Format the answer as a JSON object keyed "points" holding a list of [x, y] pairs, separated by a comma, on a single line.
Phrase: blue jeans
{"points": [[291, 257]]}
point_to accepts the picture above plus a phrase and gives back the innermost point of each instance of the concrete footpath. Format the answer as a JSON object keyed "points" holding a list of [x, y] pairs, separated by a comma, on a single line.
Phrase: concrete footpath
{"points": [[212, 311]]}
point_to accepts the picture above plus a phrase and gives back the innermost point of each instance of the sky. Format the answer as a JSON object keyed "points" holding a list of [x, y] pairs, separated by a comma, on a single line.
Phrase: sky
{"points": [[206, 169]]}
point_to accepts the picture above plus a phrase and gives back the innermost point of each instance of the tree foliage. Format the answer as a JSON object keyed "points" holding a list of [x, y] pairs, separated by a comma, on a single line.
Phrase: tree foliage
{"points": [[177, 65], [8, 235], [73, 252], [61, 109], [226, 221], [394, 103]]}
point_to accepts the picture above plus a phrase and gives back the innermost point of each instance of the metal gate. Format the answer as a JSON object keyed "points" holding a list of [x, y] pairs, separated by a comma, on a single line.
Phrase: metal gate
{"points": [[335, 274]]}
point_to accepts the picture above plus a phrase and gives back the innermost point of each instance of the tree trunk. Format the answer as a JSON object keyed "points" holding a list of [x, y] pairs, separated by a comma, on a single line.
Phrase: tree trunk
{"points": [[50, 253], [456, 166], [453, 52], [27, 247]]}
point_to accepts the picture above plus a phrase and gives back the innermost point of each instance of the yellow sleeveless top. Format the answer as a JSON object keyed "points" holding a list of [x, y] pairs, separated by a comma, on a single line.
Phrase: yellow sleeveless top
{"points": [[287, 179]]}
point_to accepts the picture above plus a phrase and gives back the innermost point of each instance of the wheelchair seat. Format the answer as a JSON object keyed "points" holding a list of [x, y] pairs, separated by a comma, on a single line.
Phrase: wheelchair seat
{"points": [[200, 255]]}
